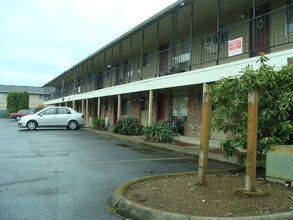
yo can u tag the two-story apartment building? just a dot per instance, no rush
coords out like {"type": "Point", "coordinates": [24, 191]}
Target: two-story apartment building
{"type": "Point", "coordinates": [156, 71]}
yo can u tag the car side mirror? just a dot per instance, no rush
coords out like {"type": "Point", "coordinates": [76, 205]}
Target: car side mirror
{"type": "Point", "coordinates": [41, 114]}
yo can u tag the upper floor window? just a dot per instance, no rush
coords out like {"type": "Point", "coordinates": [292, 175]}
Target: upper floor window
{"type": "Point", "coordinates": [225, 32]}
{"type": "Point", "coordinates": [127, 72]}
{"type": "Point", "coordinates": [145, 60]}
{"type": "Point", "coordinates": [289, 25]}
{"type": "Point", "coordinates": [182, 54]}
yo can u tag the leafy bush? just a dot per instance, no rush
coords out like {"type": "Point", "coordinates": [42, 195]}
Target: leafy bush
{"type": "Point", "coordinates": [160, 132]}
{"type": "Point", "coordinates": [39, 107]}
{"type": "Point", "coordinates": [99, 123]}
{"type": "Point", "coordinates": [275, 108]}
{"type": "Point", "coordinates": [128, 126]}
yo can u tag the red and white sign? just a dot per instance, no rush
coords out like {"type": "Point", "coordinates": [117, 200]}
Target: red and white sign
{"type": "Point", "coordinates": [235, 47]}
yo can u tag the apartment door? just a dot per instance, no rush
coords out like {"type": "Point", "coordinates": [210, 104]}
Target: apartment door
{"type": "Point", "coordinates": [115, 110]}
{"type": "Point", "coordinates": [261, 31]}
{"type": "Point", "coordinates": [161, 107]}
{"type": "Point", "coordinates": [163, 59]}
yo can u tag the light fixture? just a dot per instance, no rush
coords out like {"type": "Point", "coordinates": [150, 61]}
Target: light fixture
{"type": "Point", "coordinates": [243, 15]}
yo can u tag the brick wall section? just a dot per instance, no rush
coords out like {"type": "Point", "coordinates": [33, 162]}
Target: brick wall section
{"type": "Point", "coordinates": [168, 103]}
{"type": "Point", "coordinates": [135, 106]}
{"type": "Point", "coordinates": [155, 111]}
{"type": "Point", "coordinates": [193, 123]}
{"type": "Point", "coordinates": [103, 108]}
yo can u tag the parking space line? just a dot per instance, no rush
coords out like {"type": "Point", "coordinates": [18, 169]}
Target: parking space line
{"type": "Point", "coordinates": [121, 161]}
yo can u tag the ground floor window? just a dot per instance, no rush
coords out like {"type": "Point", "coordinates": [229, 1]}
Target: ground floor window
{"type": "Point", "coordinates": [180, 110]}
{"type": "Point", "coordinates": [125, 107]}
{"type": "Point", "coordinates": [144, 104]}
{"type": "Point", "coordinates": [180, 106]}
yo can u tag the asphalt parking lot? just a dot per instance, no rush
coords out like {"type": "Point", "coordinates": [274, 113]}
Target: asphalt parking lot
{"type": "Point", "coordinates": [62, 174]}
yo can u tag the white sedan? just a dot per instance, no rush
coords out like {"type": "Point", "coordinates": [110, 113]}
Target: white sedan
{"type": "Point", "coordinates": [53, 117]}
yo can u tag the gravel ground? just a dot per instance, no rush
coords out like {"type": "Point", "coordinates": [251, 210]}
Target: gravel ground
{"type": "Point", "coordinates": [221, 197]}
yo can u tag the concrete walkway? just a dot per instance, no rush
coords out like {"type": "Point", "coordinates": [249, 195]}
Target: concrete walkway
{"type": "Point", "coordinates": [190, 146]}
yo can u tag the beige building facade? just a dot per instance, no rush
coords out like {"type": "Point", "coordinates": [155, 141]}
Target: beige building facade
{"type": "Point", "coordinates": [36, 95]}
{"type": "Point", "coordinates": [156, 71]}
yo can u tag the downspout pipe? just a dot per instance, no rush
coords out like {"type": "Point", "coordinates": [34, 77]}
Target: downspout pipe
{"type": "Point", "coordinates": [157, 48]}
{"type": "Point", "coordinates": [218, 30]}
{"type": "Point", "coordinates": [253, 27]}
{"type": "Point", "coordinates": [190, 35]}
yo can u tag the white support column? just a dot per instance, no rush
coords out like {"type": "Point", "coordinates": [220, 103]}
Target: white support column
{"type": "Point", "coordinates": [87, 112]}
{"type": "Point", "coordinates": [119, 107]}
{"type": "Point", "coordinates": [150, 111]}
{"type": "Point", "coordinates": [82, 106]}
{"type": "Point", "coordinates": [73, 104]}
{"type": "Point", "coordinates": [99, 107]}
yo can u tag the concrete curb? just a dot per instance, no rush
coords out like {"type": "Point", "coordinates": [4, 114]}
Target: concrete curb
{"type": "Point", "coordinates": [133, 210]}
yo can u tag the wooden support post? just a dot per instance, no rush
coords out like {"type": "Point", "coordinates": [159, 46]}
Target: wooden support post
{"type": "Point", "coordinates": [87, 112]}
{"type": "Point", "coordinates": [251, 141]}
{"type": "Point", "coordinates": [82, 106]}
{"type": "Point", "coordinates": [204, 136]}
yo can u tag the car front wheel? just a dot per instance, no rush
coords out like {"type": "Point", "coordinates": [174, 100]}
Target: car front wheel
{"type": "Point", "coordinates": [72, 125]}
{"type": "Point", "coordinates": [31, 125]}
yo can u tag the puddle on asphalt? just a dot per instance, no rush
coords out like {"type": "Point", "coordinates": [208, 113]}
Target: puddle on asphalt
{"type": "Point", "coordinates": [122, 145]}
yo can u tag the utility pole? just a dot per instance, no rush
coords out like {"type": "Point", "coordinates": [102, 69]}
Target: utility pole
{"type": "Point", "coordinates": [204, 136]}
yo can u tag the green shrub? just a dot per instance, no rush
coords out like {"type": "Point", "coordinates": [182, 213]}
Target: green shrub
{"type": "Point", "coordinates": [160, 132]}
{"type": "Point", "coordinates": [275, 108]}
{"type": "Point", "coordinates": [128, 126]}
{"type": "Point", "coordinates": [39, 107]}
{"type": "Point", "coordinates": [99, 123]}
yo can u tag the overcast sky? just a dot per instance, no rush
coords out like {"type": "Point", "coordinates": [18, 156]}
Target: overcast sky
{"type": "Point", "coordinates": [40, 39]}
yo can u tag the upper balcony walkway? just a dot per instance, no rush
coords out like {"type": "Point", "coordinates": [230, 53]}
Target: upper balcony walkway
{"type": "Point", "coordinates": [208, 56]}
